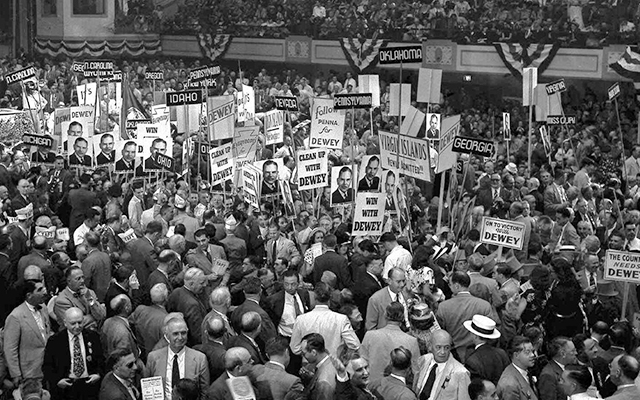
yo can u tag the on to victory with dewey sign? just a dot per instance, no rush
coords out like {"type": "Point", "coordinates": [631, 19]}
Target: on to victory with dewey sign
{"type": "Point", "coordinates": [553, 120]}
{"type": "Point", "coordinates": [622, 266]}
{"type": "Point", "coordinates": [555, 87]}
{"type": "Point", "coordinates": [286, 103]}
{"type": "Point", "coordinates": [182, 98]}
{"type": "Point", "coordinates": [348, 101]}
{"type": "Point", "coordinates": [479, 147]}
{"type": "Point", "coordinates": [397, 55]}
{"type": "Point", "coordinates": [501, 232]}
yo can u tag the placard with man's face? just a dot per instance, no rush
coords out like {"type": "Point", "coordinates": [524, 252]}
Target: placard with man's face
{"type": "Point", "coordinates": [126, 151]}
{"type": "Point", "coordinates": [104, 149]}
{"type": "Point", "coordinates": [370, 172]}
{"type": "Point", "coordinates": [433, 126]}
{"type": "Point", "coordinates": [342, 185]}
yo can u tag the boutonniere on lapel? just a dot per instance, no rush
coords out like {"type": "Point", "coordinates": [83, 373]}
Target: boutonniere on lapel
{"type": "Point", "coordinates": [446, 381]}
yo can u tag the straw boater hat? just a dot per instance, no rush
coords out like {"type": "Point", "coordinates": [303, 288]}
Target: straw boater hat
{"type": "Point", "coordinates": [482, 326]}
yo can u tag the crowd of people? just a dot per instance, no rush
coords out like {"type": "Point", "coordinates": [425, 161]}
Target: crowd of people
{"type": "Point", "coordinates": [109, 279]}
{"type": "Point", "coordinates": [571, 22]}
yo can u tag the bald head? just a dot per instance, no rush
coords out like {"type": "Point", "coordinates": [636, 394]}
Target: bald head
{"type": "Point", "coordinates": [32, 273]}
{"type": "Point", "coordinates": [216, 328]}
{"type": "Point", "coordinates": [235, 358]}
{"type": "Point", "coordinates": [73, 320]}
{"type": "Point", "coordinates": [159, 293]}
{"type": "Point", "coordinates": [441, 345]}
{"type": "Point", "coordinates": [121, 305]}
{"type": "Point", "coordinates": [40, 242]}
{"type": "Point", "coordinates": [177, 243]}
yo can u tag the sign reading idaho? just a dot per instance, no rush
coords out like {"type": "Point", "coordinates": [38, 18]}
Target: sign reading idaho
{"type": "Point", "coordinates": [501, 232]}
{"type": "Point", "coordinates": [622, 266]}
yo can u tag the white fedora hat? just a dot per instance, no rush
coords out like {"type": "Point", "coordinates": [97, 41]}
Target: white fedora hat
{"type": "Point", "coordinates": [482, 326]}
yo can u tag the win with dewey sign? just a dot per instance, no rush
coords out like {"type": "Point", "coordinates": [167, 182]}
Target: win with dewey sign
{"type": "Point", "coordinates": [501, 232]}
{"type": "Point", "coordinates": [622, 266]}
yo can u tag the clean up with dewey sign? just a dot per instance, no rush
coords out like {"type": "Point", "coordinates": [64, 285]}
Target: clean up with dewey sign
{"type": "Point", "coordinates": [501, 232]}
{"type": "Point", "coordinates": [622, 266]}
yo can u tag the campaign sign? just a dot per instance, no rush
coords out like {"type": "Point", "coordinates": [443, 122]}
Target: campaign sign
{"type": "Point", "coordinates": [414, 155]}
{"type": "Point", "coordinates": [348, 101]}
{"type": "Point", "coordinates": [203, 73]}
{"type": "Point", "coordinates": [98, 68]}
{"type": "Point", "coordinates": [327, 125]}
{"type": "Point", "coordinates": [479, 147]}
{"type": "Point", "coordinates": [286, 103]}
{"type": "Point", "coordinates": [132, 126]}
{"type": "Point", "coordinates": [274, 127]}
{"type": "Point", "coordinates": [501, 232]}
{"type": "Point", "coordinates": [19, 76]}
{"type": "Point", "coordinates": [369, 214]}
{"type": "Point", "coordinates": [154, 75]}
{"type": "Point", "coordinates": [553, 120]}
{"type": "Point", "coordinates": [36, 140]}
{"type": "Point", "coordinates": [313, 169]}
{"type": "Point", "coordinates": [185, 97]}
{"type": "Point", "coordinates": [77, 66]}
{"type": "Point", "coordinates": [152, 388]}
{"type": "Point", "coordinates": [622, 266]}
{"type": "Point", "coordinates": [614, 91]}
{"type": "Point", "coordinates": [397, 55]}
{"type": "Point", "coordinates": [251, 178]}
{"type": "Point", "coordinates": [165, 161]}
{"type": "Point", "coordinates": [555, 87]}
{"type": "Point", "coordinates": [221, 160]}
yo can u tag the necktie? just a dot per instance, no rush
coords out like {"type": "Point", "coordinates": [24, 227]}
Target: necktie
{"type": "Point", "coordinates": [273, 252]}
{"type": "Point", "coordinates": [592, 279]}
{"type": "Point", "coordinates": [495, 194]}
{"type": "Point", "coordinates": [296, 305]}
{"type": "Point", "coordinates": [428, 386]}
{"type": "Point", "coordinates": [533, 387]}
{"type": "Point", "coordinates": [78, 363]}
{"type": "Point", "coordinates": [175, 372]}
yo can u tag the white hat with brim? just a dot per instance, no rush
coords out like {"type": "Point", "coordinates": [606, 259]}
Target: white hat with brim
{"type": "Point", "coordinates": [482, 326]}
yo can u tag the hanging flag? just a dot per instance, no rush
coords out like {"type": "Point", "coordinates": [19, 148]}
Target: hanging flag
{"type": "Point", "coordinates": [361, 54]}
{"type": "Point", "coordinates": [628, 65]}
{"type": "Point", "coordinates": [213, 46]}
{"type": "Point", "coordinates": [516, 57]}
{"type": "Point", "coordinates": [131, 108]}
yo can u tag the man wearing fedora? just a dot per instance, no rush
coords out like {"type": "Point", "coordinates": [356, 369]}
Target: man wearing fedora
{"type": "Point", "coordinates": [484, 360]}
{"type": "Point", "coordinates": [440, 376]}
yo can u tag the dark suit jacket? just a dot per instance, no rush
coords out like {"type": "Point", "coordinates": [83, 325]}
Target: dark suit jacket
{"type": "Point", "coordinates": [267, 190]}
{"type": "Point", "coordinates": [332, 261]}
{"type": "Point", "coordinates": [156, 277]}
{"type": "Point", "coordinates": [19, 202]}
{"type": "Point", "coordinates": [283, 385]}
{"type": "Point", "coordinates": [121, 166]}
{"type": "Point", "coordinates": [48, 158]}
{"type": "Point", "coordinates": [392, 388]}
{"type": "Point", "coordinates": [184, 301]}
{"type": "Point", "coordinates": [19, 247]}
{"type": "Point", "coordinates": [114, 290]}
{"type": "Point", "coordinates": [364, 186]}
{"type": "Point", "coordinates": [144, 259]}
{"type": "Point", "coordinates": [80, 201]}
{"type": "Point", "coordinates": [85, 161]}
{"type": "Point", "coordinates": [97, 273]}
{"type": "Point", "coordinates": [268, 329]}
{"type": "Point", "coordinates": [549, 382]}
{"type": "Point", "coordinates": [116, 334]}
{"type": "Point", "coordinates": [57, 359]}
{"type": "Point", "coordinates": [101, 159]}
{"type": "Point", "coordinates": [147, 324]}
{"type": "Point", "coordinates": [487, 362]}
{"type": "Point", "coordinates": [113, 389]}
{"type": "Point", "coordinates": [347, 391]}
{"type": "Point", "coordinates": [215, 356]}
{"type": "Point", "coordinates": [365, 288]}
{"type": "Point", "coordinates": [336, 197]}
{"type": "Point", "coordinates": [275, 304]}
{"type": "Point", "coordinates": [241, 340]}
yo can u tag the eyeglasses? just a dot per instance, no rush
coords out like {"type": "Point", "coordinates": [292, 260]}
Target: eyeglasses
{"type": "Point", "coordinates": [130, 365]}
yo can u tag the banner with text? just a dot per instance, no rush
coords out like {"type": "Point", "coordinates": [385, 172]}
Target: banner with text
{"type": "Point", "coordinates": [413, 155]}
{"type": "Point", "coordinates": [221, 159]}
{"type": "Point", "coordinates": [251, 181]}
{"type": "Point", "coordinates": [220, 116]}
{"type": "Point", "coordinates": [327, 125]}
{"type": "Point", "coordinates": [501, 232]}
{"type": "Point", "coordinates": [622, 266]}
{"type": "Point", "coordinates": [312, 169]}
{"type": "Point", "coordinates": [369, 214]}
{"type": "Point", "coordinates": [274, 127]}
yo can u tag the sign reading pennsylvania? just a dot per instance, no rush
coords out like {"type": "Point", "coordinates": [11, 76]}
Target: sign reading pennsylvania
{"type": "Point", "coordinates": [19, 76]}
{"type": "Point", "coordinates": [397, 55]}
{"type": "Point", "coordinates": [36, 140]}
{"type": "Point", "coordinates": [182, 98]}
{"type": "Point", "coordinates": [348, 101]}
{"type": "Point", "coordinates": [204, 75]}
{"type": "Point", "coordinates": [286, 103]}
{"type": "Point", "coordinates": [479, 147]}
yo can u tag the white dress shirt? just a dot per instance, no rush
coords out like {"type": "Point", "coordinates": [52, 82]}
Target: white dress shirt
{"type": "Point", "coordinates": [78, 234]}
{"type": "Point", "coordinates": [285, 328]}
{"type": "Point", "coordinates": [167, 381]}
{"type": "Point", "coordinates": [439, 370]}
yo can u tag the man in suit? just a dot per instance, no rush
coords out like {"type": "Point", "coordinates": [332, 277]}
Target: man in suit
{"type": "Point", "coordinates": [43, 155]}
{"type": "Point", "coordinates": [96, 267]}
{"type": "Point", "coordinates": [73, 360]}
{"type": "Point", "coordinates": [515, 382]}
{"type": "Point", "coordinates": [433, 132]}
{"type": "Point", "coordinates": [377, 344]}
{"type": "Point", "coordinates": [21, 200]}
{"type": "Point", "coordinates": [116, 331]}
{"type": "Point", "coordinates": [79, 156]}
{"type": "Point", "coordinates": [81, 200]}
{"type": "Point", "coordinates": [127, 161]}
{"type": "Point", "coordinates": [281, 383]}
{"type": "Point", "coordinates": [377, 305]}
{"type": "Point", "coordinates": [143, 255]}
{"type": "Point", "coordinates": [279, 246]}
{"type": "Point", "coordinates": [19, 234]}
{"type": "Point", "coordinates": [205, 256]}
{"type": "Point", "coordinates": [186, 363]}
{"type": "Point", "coordinates": [285, 306]}
{"type": "Point", "coordinates": [250, 325]}
{"type": "Point", "coordinates": [186, 300]}
{"type": "Point", "coordinates": [561, 352]}
{"type": "Point", "coordinates": [485, 361]}
{"type": "Point", "coordinates": [168, 264]}
{"type": "Point", "coordinates": [237, 362]}
{"type": "Point", "coordinates": [38, 256]}
{"type": "Point", "coordinates": [158, 146]}
{"type": "Point", "coordinates": [476, 263]}
{"type": "Point", "coordinates": [368, 283]}
{"type": "Point", "coordinates": [107, 154]}
{"type": "Point", "coordinates": [352, 381]}
{"type": "Point", "coordinates": [344, 192]}
{"type": "Point", "coordinates": [220, 302]}
{"type": "Point", "coordinates": [214, 347]}
{"type": "Point", "coordinates": [624, 371]}
{"type": "Point", "coordinates": [26, 332]}
{"type": "Point", "coordinates": [270, 178]}
{"type": "Point", "coordinates": [335, 328]}
{"type": "Point", "coordinates": [563, 233]}
{"type": "Point", "coordinates": [120, 284]}
{"type": "Point", "coordinates": [252, 290]}
{"type": "Point", "coordinates": [461, 307]}
{"type": "Point", "coordinates": [119, 383]}
{"type": "Point", "coordinates": [323, 383]}
{"type": "Point", "coordinates": [371, 181]}
{"type": "Point", "coordinates": [76, 295]}
{"type": "Point", "coordinates": [236, 248]}
{"type": "Point", "coordinates": [332, 261]}
{"type": "Point", "coordinates": [395, 386]}
{"type": "Point", "coordinates": [147, 321]}
{"type": "Point", "coordinates": [555, 197]}
{"type": "Point", "coordinates": [440, 376]}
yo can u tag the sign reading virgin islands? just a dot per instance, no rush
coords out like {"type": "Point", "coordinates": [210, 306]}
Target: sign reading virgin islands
{"type": "Point", "coordinates": [622, 266]}
{"type": "Point", "coordinates": [414, 159]}
{"type": "Point", "coordinates": [501, 232]}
